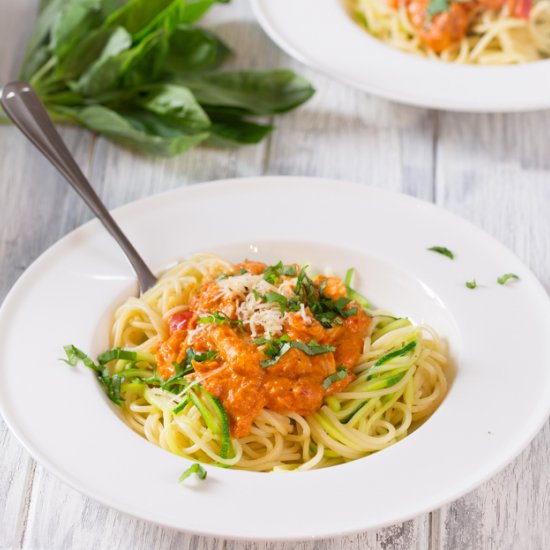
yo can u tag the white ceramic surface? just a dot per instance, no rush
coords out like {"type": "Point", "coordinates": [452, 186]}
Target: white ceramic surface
{"type": "Point", "coordinates": [498, 336]}
{"type": "Point", "coordinates": [321, 34]}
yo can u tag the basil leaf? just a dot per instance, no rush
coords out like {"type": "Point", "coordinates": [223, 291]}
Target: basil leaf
{"type": "Point", "coordinates": [273, 273]}
{"type": "Point", "coordinates": [437, 6]}
{"type": "Point", "coordinates": [74, 21]}
{"type": "Point", "coordinates": [300, 280]}
{"type": "Point", "coordinates": [143, 17]}
{"type": "Point", "coordinates": [219, 318]}
{"type": "Point", "coordinates": [282, 350]}
{"type": "Point", "coordinates": [38, 47]}
{"type": "Point", "coordinates": [252, 92]}
{"type": "Point", "coordinates": [275, 297]}
{"type": "Point", "coordinates": [201, 357]}
{"type": "Point", "coordinates": [119, 66]}
{"type": "Point", "coordinates": [471, 284]}
{"type": "Point", "coordinates": [176, 103]}
{"type": "Point", "coordinates": [91, 53]}
{"type": "Point", "coordinates": [231, 131]}
{"type": "Point", "coordinates": [143, 131]}
{"type": "Point", "coordinates": [313, 348]}
{"type": "Point", "coordinates": [507, 277]}
{"type": "Point", "coordinates": [276, 351]}
{"type": "Point", "coordinates": [113, 66]}
{"type": "Point", "coordinates": [340, 374]}
{"type": "Point", "coordinates": [443, 251]}
{"type": "Point", "coordinates": [193, 10]}
{"type": "Point", "coordinates": [193, 50]}
{"type": "Point", "coordinates": [111, 384]}
{"type": "Point", "coordinates": [196, 469]}
{"type": "Point", "coordinates": [74, 355]}
{"type": "Point", "coordinates": [127, 355]}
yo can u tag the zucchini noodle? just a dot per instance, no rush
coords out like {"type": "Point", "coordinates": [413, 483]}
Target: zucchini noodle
{"type": "Point", "coordinates": [494, 38]}
{"type": "Point", "coordinates": [400, 381]}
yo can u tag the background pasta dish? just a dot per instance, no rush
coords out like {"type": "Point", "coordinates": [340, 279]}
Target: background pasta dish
{"type": "Point", "coordinates": [478, 31]}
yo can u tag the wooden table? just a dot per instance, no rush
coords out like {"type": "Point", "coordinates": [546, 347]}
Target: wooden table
{"type": "Point", "coordinates": [491, 169]}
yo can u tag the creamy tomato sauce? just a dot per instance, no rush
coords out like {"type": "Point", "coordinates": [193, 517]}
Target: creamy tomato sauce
{"type": "Point", "coordinates": [249, 365]}
{"type": "Point", "coordinates": [440, 30]}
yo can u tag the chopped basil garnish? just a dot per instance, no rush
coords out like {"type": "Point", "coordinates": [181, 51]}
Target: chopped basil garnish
{"type": "Point", "coordinates": [277, 347]}
{"type": "Point", "coordinates": [275, 297]}
{"type": "Point", "coordinates": [300, 280]}
{"type": "Point", "coordinates": [313, 348]}
{"type": "Point", "coordinates": [273, 273]}
{"type": "Point", "coordinates": [443, 251]}
{"type": "Point", "coordinates": [196, 469]}
{"type": "Point", "coordinates": [125, 354]}
{"type": "Point", "coordinates": [111, 384]}
{"type": "Point", "coordinates": [272, 346]}
{"type": "Point", "coordinates": [74, 355]}
{"type": "Point", "coordinates": [219, 318]}
{"type": "Point", "coordinates": [209, 355]}
{"type": "Point", "coordinates": [323, 308]}
{"type": "Point", "coordinates": [507, 277]}
{"type": "Point", "coordinates": [223, 276]}
{"type": "Point", "coordinates": [340, 374]}
{"type": "Point", "coordinates": [471, 284]}
{"type": "Point", "coordinates": [132, 371]}
{"type": "Point", "coordinates": [435, 7]}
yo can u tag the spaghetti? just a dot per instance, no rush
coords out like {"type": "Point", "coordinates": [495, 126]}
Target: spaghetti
{"type": "Point", "coordinates": [187, 350]}
{"type": "Point", "coordinates": [487, 32]}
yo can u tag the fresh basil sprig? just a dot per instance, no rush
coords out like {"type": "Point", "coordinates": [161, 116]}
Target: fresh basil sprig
{"type": "Point", "coordinates": [141, 74]}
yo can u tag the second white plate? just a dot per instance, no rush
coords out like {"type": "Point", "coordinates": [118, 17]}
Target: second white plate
{"type": "Point", "coordinates": [321, 34]}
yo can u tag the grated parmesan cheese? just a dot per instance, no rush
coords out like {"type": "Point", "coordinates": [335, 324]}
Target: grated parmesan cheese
{"type": "Point", "coordinates": [261, 318]}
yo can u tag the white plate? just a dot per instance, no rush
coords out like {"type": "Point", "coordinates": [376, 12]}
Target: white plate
{"type": "Point", "coordinates": [498, 336]}
{"type": "Point", "coordinates": [321, 34]}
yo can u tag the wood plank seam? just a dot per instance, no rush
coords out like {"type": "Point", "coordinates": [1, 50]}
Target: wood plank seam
{"type": "Point", "coordinates": [25, 506]}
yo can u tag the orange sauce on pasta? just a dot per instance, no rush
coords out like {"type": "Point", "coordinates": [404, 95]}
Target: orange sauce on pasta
{"type": "Point", "coordinates": [296, 382]}
{"type": "Point", "coordinates": [440, 31]}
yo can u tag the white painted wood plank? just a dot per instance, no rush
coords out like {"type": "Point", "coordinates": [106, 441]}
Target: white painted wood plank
{"type": "Point", "coordinates": [345, 134]}
{"type": "Point", "coordinates": [494, 170]}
